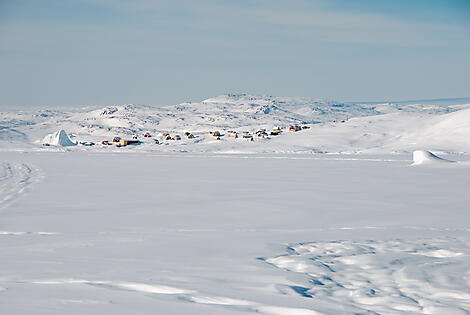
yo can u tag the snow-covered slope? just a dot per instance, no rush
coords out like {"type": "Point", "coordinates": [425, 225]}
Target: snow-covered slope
{"type": "Point", "coordinates": [367, 128]}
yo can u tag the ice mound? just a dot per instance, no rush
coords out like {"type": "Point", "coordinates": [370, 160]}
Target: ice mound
{"type": "Point", "coordinates": [425, 157]}
{"type": "Point", "coordinates": [59, 138]}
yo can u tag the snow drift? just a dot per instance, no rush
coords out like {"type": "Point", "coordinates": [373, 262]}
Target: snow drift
{"type": "Point", "coordinates": [59, 138]}
{"type": "Point", "coordinates": [425, 157]}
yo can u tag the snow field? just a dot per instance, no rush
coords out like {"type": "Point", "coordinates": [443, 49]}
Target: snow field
{"type": "Point", "coordinates": [184, 233]}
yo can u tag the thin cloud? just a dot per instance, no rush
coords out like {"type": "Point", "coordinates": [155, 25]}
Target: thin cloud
{"type": "Point", "coordinates": [304, 20]}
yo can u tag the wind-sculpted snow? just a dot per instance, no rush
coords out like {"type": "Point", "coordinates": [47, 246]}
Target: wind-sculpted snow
{"type": "Point", "coordinates": [423, 276]}
{"type": "Point", "coordinates": [184, 295]}
{"type": "Point", "coordinates": [398, 276]}
{"type": "Point", "coordinates": [425, 157]}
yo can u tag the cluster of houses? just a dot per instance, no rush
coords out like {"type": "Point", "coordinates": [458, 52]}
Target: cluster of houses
{"type": "Point", "coordinates": [122, 142]}
{"type": "Point", "coordinates": [296, 128]}
{"type": "Point", "coordinates": [261, 133]}
{"type": "Point", "coordinates": [165, 137]}
{"type": "Point", "coordinates": [117, 141]}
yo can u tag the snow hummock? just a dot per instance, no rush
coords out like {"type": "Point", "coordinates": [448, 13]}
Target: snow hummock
{"type": "Point", "coordinates": [59, 138]}
{"type": "Point", "coordinates": [426, 157]}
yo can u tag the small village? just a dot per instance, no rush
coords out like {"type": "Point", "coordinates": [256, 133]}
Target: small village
{"type": "Point", "coordinates": [165, 138]}
{"type": "Point", "coordinates": [62, 138]}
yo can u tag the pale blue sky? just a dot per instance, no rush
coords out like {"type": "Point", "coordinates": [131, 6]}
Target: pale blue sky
{"type": "Point", "coordinates": [100, 52]}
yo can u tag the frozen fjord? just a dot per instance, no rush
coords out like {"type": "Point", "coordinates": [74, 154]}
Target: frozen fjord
{"type": "Point", "coordinates": [107, 233]}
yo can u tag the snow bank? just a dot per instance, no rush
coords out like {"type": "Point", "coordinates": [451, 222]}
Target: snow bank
{"type": "Point", "coordinates": [59, 138]}
{"type": "Point", "coordinates": [426, 157]}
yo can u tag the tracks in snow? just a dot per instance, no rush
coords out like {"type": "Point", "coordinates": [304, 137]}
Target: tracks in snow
{"type": "Point", "coordinates": [15, 178]}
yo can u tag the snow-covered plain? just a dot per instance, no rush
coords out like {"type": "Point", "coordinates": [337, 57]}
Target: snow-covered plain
{"type": "Point", "coordinates": [335, 219]}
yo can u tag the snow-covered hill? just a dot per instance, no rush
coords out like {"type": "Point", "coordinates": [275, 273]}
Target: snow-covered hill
{"type": "Point", "coordinates": [367, 127]}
